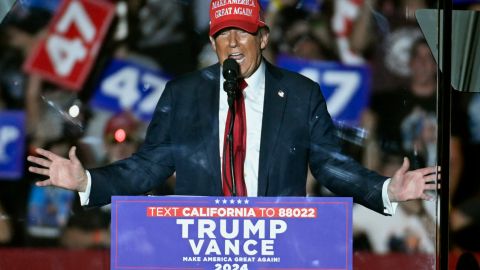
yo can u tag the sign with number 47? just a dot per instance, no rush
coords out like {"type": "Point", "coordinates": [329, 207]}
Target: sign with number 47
{"type": "Point", "coordinates": [129, 86]}
{"type": "Point", "coordinates": [75, 34]}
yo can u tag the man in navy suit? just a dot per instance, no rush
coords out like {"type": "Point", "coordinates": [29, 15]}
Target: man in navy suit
{"type": "Point", "coordinates": [288, 128]}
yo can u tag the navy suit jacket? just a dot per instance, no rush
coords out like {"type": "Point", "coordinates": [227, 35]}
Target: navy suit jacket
{"type": "Point", "coordinates": [182, 137]}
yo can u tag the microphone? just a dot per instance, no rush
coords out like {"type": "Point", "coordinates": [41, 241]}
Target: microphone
{"type": "Point", "coordinates": [230, 73]}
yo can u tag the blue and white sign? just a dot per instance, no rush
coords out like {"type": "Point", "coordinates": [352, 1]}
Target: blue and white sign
{"type": "Point", "coordinates": [128, 86]}
{"type": "Point", "coordinates": [346, 88]}
{"type": "Point", "coordinates": [465, 2]}
{"type": "Point", "coordinates": [50, 5]}
{"type": "Point", "coordinates": [309, 5]}
{"type": "Point", "coordinates": [231, 233]}
{"type": "Point", "coordinates": [12, 144]}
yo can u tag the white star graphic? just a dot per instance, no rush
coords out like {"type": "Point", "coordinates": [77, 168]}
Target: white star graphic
{"type": "Point", "coordinates": [217, 201]}
{"type": "Point", "coordinates": [232, 201]}
{"type": "Point", "coordinates": [239, 201]}
{"type": "Point", "coordinates": [246, 201]}
{"type": "Point", "coordinates": [224, 201]}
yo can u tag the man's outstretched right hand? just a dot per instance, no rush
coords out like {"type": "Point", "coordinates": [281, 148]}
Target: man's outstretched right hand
{"type": "Point", "coordinates": [61, 172]}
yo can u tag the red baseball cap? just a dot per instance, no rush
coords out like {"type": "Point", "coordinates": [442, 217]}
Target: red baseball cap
{"type": "Point", "coordinates": [124, 120]}
{"type": "Point", "coordinates": [244, 14]}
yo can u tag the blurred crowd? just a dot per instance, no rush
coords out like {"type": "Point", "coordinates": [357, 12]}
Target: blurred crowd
{"type": "Point", "coordinates": [172, 36]}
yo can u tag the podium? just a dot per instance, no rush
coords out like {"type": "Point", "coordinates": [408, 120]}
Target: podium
{"type": "Point", "coordinates": [231, 233]}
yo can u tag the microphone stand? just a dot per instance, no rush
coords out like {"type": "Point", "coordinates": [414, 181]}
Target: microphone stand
{"type": "Point", "coordinates": [231, 93]}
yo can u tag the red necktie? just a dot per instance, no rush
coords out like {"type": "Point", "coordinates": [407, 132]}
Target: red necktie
{"type": "Point", "coordinates": [239, 146]}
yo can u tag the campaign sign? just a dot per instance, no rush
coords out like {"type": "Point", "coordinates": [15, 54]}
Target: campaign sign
{"type": "Point", "coordinates": [309, 5]}
{"type": "Point", "coordinates": [66, 55]}
{"type": "Point", "coordinates": [346, 88]}
{"type": "Point", "coordinates": [231, 233]}
{"type": "Point", "coordinates": [50, 5]}
{"type": "Point", "coordinates": [12, 144]}
{"type": "Point", "coordinates": [128, 86]}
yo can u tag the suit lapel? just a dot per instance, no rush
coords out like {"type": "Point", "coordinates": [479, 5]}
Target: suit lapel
{"type": "Point", "coordinates": [208, 101]}
{"type": "Point", "coordinates": [273, 112]}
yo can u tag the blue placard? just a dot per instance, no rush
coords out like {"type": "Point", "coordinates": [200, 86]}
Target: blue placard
{"type": "Point", "coordinates": [346, 88]}
{"type": "Point", "coordinates": [48, 211]}
{"type": "Point", "coordinates": [183, 232]}
{"type": "Point", "coordinates": [50, 5]}
{"type": "Point", "coordinates": [466, 2]}
{"type": "Point", "coordinates": [128, 86]}
{"type": "Point", "coordinates": [12, 144]}
{"type": "Point", "coordinates": [308, 5]}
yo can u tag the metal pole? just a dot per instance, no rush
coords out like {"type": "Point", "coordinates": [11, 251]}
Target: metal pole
{"type": "Point", "coordinates": [444, 127]}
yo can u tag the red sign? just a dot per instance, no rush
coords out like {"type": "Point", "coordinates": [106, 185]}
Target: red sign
{"type": "Point", "coordinates": [75, 34]}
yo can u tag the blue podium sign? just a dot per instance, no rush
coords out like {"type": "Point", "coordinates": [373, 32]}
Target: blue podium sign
{"type": "Point", "coordinates": [231, 233]}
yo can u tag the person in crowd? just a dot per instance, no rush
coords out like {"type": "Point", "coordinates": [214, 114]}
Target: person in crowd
{"type": "Point", "coordinates": [394, 29]}
{"type": "Point", "coordinates": [465, 191]}
{"type": "Point", "coordinates": [45, 127]}
{"type": "Point", "coordinates": [48, 209]}
{"type": "Point", "coordinates": [288, 128]}
{"type": "Point", "coordinates": [402, 122]}
{"type": "Point", "coordinates": [399, 120]}
{"type": "Point", "coordinates": [121, 137]}
{"type": "Point", "coordinates": [163, 31]}
{"type": "Point", "coordinates": [90, 228]}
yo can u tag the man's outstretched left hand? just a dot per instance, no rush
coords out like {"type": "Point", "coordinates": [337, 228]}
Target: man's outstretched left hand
{"type": "Point", "coordinates": [408, 185]}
